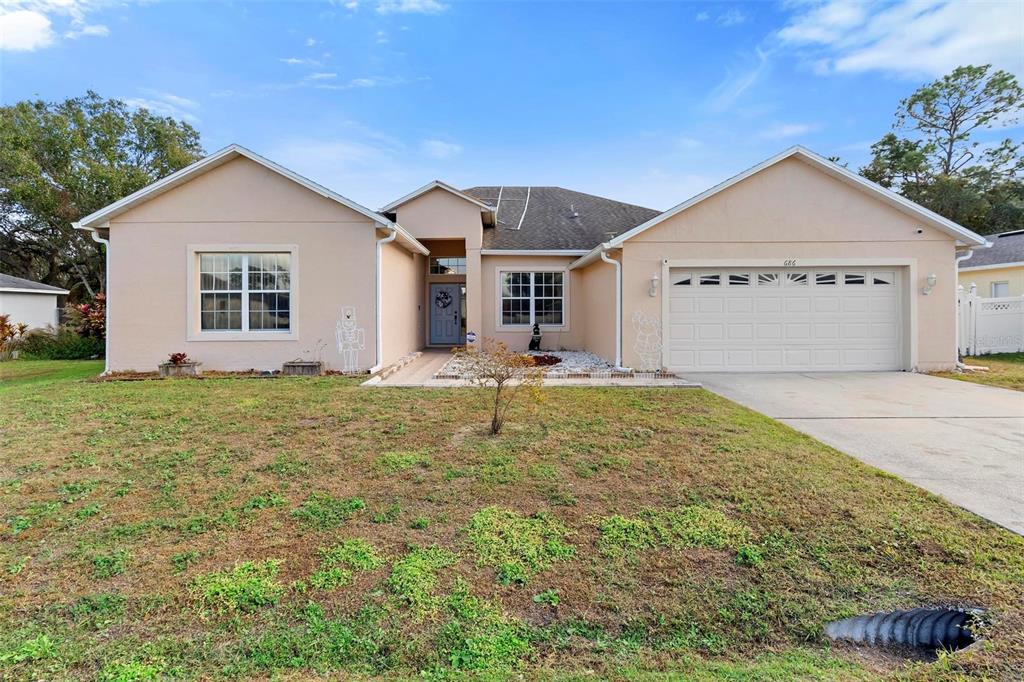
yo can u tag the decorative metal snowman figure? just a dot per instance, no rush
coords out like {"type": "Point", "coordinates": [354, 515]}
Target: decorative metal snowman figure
{"type": "Point", "coordinates": [350, 339]}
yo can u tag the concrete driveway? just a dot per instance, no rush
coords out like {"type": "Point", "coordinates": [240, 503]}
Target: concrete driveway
{"type": "Point", "coordinates": [962, 441]}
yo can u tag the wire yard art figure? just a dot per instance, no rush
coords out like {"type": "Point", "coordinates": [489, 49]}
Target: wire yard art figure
{"type": "Point", "coordinates": [647, 342]}
{"type": "Point", "coordinates": [351, 339]}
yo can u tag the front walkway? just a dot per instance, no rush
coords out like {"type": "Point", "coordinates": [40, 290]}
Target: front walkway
{"type": "Point", "coordinates": [420, 373]}
{"type": "Point", "coordinates": [962, 441]}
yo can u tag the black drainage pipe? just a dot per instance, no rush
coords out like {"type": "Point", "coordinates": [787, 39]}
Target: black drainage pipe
{"type": "Point", "coordinates": [920, 628]}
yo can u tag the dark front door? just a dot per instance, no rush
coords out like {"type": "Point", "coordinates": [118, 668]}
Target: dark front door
{"type": "Point", "coordinates": [445, 314]}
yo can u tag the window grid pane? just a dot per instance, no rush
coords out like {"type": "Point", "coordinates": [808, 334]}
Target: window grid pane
{"type": "Point", "coordinates": [532, 297]}
{"type": "Point", "coordinates": [258, 301]}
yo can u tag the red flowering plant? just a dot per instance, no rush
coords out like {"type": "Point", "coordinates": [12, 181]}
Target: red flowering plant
{"type": "Point", "coordinates": [179, 358]}
{"type": "Point", "coordinates": [10, 334]}
{"type": "Point", "coordinates": [89, 319]}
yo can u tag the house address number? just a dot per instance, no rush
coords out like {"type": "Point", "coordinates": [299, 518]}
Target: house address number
{"type": "Point", "coordinates": [789, 263]}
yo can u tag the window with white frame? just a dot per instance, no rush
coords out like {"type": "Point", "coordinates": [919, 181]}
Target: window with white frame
{"type": "Point", "coordinates": [532, 297]}
{"type": "Point", "coordinates": [1000, 289]}
{"type": "Point", "coordinates": [448, 266]}
{"type": "Point", "coordinates": [245, 292]}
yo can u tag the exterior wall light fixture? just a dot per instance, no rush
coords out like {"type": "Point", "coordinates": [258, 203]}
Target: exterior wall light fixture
{"type": "Point", "coordinates": [929, 284]}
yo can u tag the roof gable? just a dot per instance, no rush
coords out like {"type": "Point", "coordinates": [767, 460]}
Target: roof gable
{"type": "Point", "coordinates": [102, 217]}
{"type": "Point", "coordinates": [430, 186]}
{"type": "Point", "coordinates": [218, 158]}
{"type": "Point", "coordinates": [816, 161]}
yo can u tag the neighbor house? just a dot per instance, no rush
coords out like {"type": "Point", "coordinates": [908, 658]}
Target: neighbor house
{"type": "Point", "coordinates": [28, 302]}
{"type": "Point", "coordinates": [997, 272]}
{"type": "Point", "coordinates": [796, 264]}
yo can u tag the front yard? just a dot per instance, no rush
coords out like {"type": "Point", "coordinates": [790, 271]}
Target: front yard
{"type": "Point", "coordinates": [227, 528]}
{"type": "Point", "coordinates": [1005, 370]}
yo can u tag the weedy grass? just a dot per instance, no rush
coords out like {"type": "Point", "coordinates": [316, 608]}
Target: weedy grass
{"type": "Point", "coordinates": [338, 563]}
{"type": "Point", "coordinates": [517, 546]}
{"type": "Point", "coordinates": [232, 528]}
{"type": "Point", "coordinates": [1005, 370]}
{"type": "Point", "coordinates": [247, 586]}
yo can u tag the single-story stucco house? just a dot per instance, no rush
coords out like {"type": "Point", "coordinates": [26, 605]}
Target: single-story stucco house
{"type": "Point", "coordinates": [28, 302]}
{"type": "Point", "coordinates": [997, 272]}
{"type": "Point", "coordinates": [796, 264]}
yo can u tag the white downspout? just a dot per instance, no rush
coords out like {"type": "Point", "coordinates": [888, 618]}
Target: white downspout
{"type": "Point", "coordinates": [618, 305]}
{"type": "Point", "coordinates": [379, 362]}
{"type": "Point", "coordinates": [956, 281]}
{"type": "Point", "coordinates": [106, 292]}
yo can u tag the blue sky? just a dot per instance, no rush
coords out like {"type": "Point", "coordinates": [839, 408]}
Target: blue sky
{"type": "Point", "coordinates": [642, 102]}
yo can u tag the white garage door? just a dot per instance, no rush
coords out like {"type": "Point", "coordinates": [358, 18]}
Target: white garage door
{"type": "Point", "coordinates": [784, 320]}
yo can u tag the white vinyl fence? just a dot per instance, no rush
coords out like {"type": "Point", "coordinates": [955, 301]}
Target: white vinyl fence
{"type": "Point", "coordinates": [989, 325]}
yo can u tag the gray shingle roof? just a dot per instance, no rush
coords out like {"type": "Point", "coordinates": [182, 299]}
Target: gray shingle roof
{"type": "Point", "coordinates": [556, 218]}
{"type": "Point", "coordinates": [1007, 247]}
{"type": "Point", "coordinates": [12, 282]}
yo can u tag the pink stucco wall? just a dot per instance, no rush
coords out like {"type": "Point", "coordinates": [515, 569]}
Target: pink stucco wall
{"type": "Point", "coordinates": [794, 211]}
{"type": "Point", "coordinates": [239, 205]}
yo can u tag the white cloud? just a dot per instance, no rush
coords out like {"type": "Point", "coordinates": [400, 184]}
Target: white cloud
{"type": "Point", "coordinates": [321, 76]}
{"type": "Point", "coordinates": [28, 25]}
{"type": "Point", "coordinates": [732, 17]}
{"type": "Point", "coordinates": [382, 37]}
{"type": "Point", "coordinates": [909, 38]}
{"type": "Point", "coordinates": [702, 16]}
{"type": "Point", "coordinates": [166, 104]}
{"type": "Point", "coordinates": [297, 61]}
{"type": "Point", "coordinates": [311, 42]}
{"type": "Point", "coordinates": [784, 131]}
{"type": "Point", "coordinates": [439, 149]}
{"type": "Point", "coordinates": [410, 7]}
{"type": "Point", "coordinates": [25, 30]}
{"type": "Point", "coordinates": [96, 30]}
{"type": "Point", "coordinates": [737, 82]}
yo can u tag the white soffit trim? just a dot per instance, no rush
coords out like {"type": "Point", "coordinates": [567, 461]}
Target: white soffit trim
{"type": "Point", "coordinates": [901, 203]}
{"type": "Point", "coordinates": [533, 252]}
{"type": "Point", "coordinates": [993, 266]}
{"type": "Point", "coordinates": [101, 217]}
{"type": "Point", "coordinates": [436, 184]}
{"type": "Point", "coordinates": [48, 292]}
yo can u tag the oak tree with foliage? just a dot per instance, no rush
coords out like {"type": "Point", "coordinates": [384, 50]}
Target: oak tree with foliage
{"type": "Point", "coordinates": [934, 156]}
{"type": "Point", "coordinates": [60, 161]}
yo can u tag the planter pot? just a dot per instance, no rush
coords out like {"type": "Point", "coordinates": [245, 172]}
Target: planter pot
{"type": "Point", "coordinates": [302, 368]}
{"type": "Point", "coordinates": [185, 369]}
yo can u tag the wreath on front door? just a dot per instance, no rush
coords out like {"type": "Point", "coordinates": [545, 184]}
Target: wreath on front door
{"type": "Point", "coordinates": [443, 299]}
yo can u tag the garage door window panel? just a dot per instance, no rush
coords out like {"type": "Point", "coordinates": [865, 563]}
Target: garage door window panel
{"type": "Point", "coordinates": [710, 280]}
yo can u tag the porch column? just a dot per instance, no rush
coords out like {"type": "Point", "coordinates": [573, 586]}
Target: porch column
{"type": "Point", "coordinates": [474, 294]}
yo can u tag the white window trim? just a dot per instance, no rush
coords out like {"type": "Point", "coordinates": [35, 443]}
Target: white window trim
{"type": "Point", "coordinates": [992, 288]}
{"type": "Point", "coordinates": [194, 331]}
{"type": "Point", "coordinates": [501, 326]}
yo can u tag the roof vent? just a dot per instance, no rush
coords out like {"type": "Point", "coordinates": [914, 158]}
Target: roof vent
{"type": "Point", "coordinates": [573, 213]}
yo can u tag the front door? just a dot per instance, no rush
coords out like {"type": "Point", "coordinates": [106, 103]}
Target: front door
{"type": "Point", "coordinates": [446, 314]}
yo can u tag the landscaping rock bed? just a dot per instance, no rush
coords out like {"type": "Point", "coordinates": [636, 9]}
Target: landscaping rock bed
{"type": "Point", "coordinates": [572, 363]}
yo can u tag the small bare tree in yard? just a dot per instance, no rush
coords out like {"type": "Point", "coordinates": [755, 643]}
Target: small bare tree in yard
{"type": "Point", "coordinates": [492, 365]}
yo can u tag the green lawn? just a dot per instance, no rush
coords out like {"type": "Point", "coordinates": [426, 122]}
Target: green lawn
{"type": "Point", "coordinates": [1005, 370]}
{"type": "Point", "coordinates": [231, 528]}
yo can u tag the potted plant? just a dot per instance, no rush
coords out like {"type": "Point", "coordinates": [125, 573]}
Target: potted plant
{"type": "Point", "coordinates": [179, 365]}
